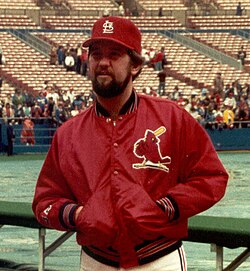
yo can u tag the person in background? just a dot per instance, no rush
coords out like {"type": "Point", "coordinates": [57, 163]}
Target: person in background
{"type": "Point", "coordinates": [242, 55]}
{"type": "Point", "coordinates": [128, 172]}
{"type": "Point", "coordinates": [78, 58]}
{"type": "Point", "coordinates": [239, 9]}
{"type": "Point", "coordinates": [60, 55]}
{"type": "Point", "coordinates": [218, 85]}
{"type": "Point", "coordinates": [10, 137]}
{"type": "Point", "coordinates": [160, 12]}
{"type": "Point", "coordinates": [53, 56]}
{"type": "Point", "coordinates": [27, 133]}
{"type": "Point", "coordinates": [1, 55]}
{"type": "Point", "coordinates": [162, 82]}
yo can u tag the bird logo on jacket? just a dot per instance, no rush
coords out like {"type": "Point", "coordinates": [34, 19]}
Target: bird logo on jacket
{"type": "Point", "coordinates": [148, 148]}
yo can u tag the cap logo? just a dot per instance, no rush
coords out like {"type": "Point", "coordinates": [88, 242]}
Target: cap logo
{"type": "Point", "coordinates": [108, 27]}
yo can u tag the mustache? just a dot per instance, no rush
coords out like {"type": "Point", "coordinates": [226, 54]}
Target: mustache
{"type": "Point", "coordinates": [104, 72]}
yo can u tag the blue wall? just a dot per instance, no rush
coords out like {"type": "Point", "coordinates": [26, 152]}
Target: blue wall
{"type": "Point", "coordinates": [224, 140]}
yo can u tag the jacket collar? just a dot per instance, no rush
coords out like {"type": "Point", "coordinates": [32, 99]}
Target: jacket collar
{"type": "Point", "coordinates": [129, 107]}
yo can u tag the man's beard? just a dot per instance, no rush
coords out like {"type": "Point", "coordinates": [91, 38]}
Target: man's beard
{"type": "Point", "coordinates": [111, 90]}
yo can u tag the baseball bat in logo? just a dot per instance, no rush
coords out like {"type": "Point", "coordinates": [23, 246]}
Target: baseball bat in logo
{"type": "Point", "coordinates": [148, 148]}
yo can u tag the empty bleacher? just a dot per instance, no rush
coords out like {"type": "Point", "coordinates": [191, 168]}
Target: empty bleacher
{"type": "Point", "coordinates": [231, 4]}
{"type": "Point", "coordinates": [92, 5]}
{"type": "Point", "coordinates": [225, 42]}
{"type": "Point", "coordinates": [150, 5]}
{"type": "Point", "coordinates": [17, 22]}
{"type": "Point", "coordinates": [86, 22]}
{"type": "Point", "coordinates": [17, 4]}
{"type": "Point", "coordinates": [219, 22]}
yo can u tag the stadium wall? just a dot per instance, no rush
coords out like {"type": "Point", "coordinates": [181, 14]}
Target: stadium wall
{"type": "Point", "coordinates": [223, 140]}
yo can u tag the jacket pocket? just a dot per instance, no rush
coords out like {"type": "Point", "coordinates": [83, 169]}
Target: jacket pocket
{"type": "Point", "coordinates": [96, 224]}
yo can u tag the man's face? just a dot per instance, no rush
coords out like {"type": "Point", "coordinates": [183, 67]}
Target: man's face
{"type": "Point", "coordinates": [109, 68]}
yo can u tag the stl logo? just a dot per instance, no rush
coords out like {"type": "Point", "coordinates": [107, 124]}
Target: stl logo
{"type": "Point", "coordinates": [148, 148]}
{"type": "Point", "coordinates": [108, 27]}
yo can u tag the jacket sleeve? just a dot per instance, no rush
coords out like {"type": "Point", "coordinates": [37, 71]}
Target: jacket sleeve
{"type": "Point", "coordinates": [203, 179]}
{"type": "Point", "coordinates": [53, 203]}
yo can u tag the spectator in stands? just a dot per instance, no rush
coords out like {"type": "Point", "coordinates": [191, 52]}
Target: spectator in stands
{"type": "Point", "coordinates": [228, 115]}
{"type": "Point", "coordinates": [106, 12]}
{"type": "Point", "coordinates": [248, 100]}
{"type": "Point", "coordinates": [51, 107]}
{"type": "Point", "coordinates": [162, 82]}
{"type": "Point", "coordinates": [69, 61]}
{"type": "Point", "coordinates": [145, 55]}
{"type": "Point", "coordinates": [231, 101]}
{"type": "Point", "coordinates": [18, 99]}
{"type": "Point", "coordinates": [53, 92]}
{"type": "Point", "coordinates": [174, 95]}
{"type": "Point", "coordinates": [19, 113]}
{"type": "Point", "coordinates": [28, 98]}
{"type": "Point", "coordinates": [158, 59]}
{"type": "Point", "coordinates": [1, 83]}
{"type": "Point", "coordinates": [209, 118]}
{"type": "Point", "coordinates": [79, 58]}
{"type": "Point", "coordinates": [164, 58]}
{"type": "Point", "coordinates": [194, 113]}
{"type": "Point", "coordinates": [60, 114]}
{"type": "Point", "coordinates": [239, 9]}
{"type": "Point", "coordinates": [242, 54]}
{"type": "Point", "coordinates": [41, 100]}
{"type": "Point", "coordinates": [196, 8]}
{"type": "Point", "coordinates": [219, 119]}
{"type": "Point", "coordinates": [152, 54]}
{"type": "Point", "coordinates": [10, 137]}
{"type": "Point", "coordinates": [60, 55]}
{"type": "Point", "coordinates": [36, 113]}
{"type": "Point", "coordinates": [27, 110]}
{"type": "Point", "coordinates": [219, 85]}
{"type": "Point", "coordinates": [8, 112]}
{"type": "Point", "coordinates": [127, 12]}
{"type": "Point", "coordinates": [121, 10]}
{"type": "Point", "coordinates": [84, 62]}
{"type": "Point", "coordinates": [53, 56]}
{"type": "Point", "coordinates": [1, 55]}
{"type": "Point", "coordinates": [71, 94]}
{"type": "Point", "coordinates": [243, 114]}
{"type": "Point", "coordinates": [8, 99]}
{"type": "Point", "coordinates": [75, 111]}
{"type": "Point", "coordinates": [27, 133]}
{"type": "Point", "coordinates": [78, 101]}
{"type": "Point", "coordinates": [160, 12]}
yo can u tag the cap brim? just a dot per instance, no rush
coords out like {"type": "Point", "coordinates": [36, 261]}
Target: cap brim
{"type": "Point", "coordinates": [89, 42]}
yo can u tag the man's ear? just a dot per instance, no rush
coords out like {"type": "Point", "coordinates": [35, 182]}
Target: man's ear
{"type": "Point", "coordinates": [135, 68]}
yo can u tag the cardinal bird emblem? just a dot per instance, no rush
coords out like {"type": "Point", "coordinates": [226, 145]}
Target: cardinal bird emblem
{"type": "Point", "coordinates": [148, 148]}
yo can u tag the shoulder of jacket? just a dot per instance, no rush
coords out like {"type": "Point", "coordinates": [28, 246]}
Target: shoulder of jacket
{"type": "Point", "coordinates": [160, 101]}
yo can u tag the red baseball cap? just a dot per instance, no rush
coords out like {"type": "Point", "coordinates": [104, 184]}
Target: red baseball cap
{"type": "Point", "coordinates": [117, 29]}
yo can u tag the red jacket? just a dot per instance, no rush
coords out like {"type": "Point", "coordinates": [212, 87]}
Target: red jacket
{"type": "Point", "coordinates": [118, 171]}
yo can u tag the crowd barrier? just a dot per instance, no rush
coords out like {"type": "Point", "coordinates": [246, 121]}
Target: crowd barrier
{"type": "Point", "coordinates": [223, 139]}
{"type": "Point", "coordinates": [221, 232]}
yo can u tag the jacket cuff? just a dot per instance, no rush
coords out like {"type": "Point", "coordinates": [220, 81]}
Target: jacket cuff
{"type": "Point", "coordinates": [170, 207]}
{"type": "Point", "coordinates": [67, 214]}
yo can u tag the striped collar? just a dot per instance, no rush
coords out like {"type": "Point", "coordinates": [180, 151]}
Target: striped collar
{"type": "Point", "coordinates": [129, 107]}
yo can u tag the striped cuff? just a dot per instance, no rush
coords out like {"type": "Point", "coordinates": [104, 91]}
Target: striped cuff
{"type": "Point", "coordinates": [169, 206]}
{"type": "Point", "coordinates": [66, 215]}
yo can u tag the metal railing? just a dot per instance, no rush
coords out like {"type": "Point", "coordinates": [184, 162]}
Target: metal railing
{"type": "Point", "coordinates": [33, 41]}
{"type": "Point", "coordinates": [182, 37]}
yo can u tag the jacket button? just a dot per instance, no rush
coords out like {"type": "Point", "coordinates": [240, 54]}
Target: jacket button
{"type": "Point", "coordinates": [116, 172]}
{"type": "Point", "coordinates": [115, 145]}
